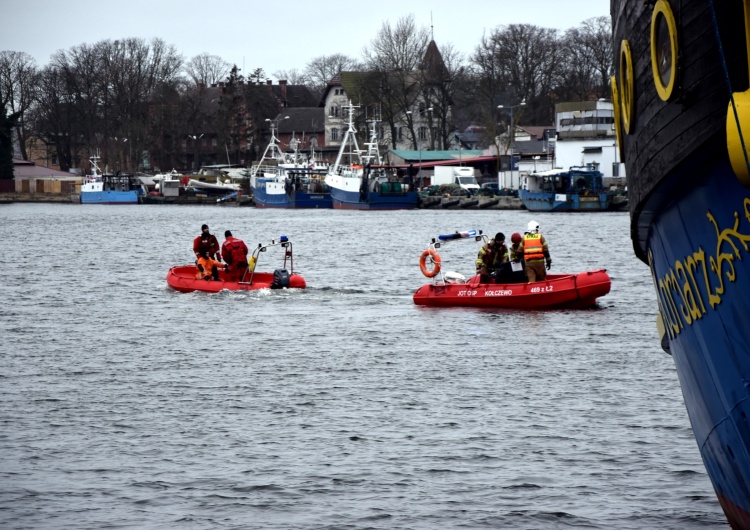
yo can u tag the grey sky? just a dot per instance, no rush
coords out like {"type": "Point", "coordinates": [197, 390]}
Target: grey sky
{"type": "Point", "coordinates": [260, 34]}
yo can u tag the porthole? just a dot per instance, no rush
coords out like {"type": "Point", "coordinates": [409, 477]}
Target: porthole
{"type": "Point", "coordinates": [618, 121]}
{"type": "Point", "coordinates": [663, 49]}
{"type": "Point", "coordinates": [626, 85]}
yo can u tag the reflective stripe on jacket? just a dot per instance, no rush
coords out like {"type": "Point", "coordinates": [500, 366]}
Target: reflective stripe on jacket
{"type": "Point", "coordinates": [533, 248]}
{"type": "Point", "coordinates": [491, 257]}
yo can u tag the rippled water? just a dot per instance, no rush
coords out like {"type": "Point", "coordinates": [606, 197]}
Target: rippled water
{"type": "Point", "coordinates": [125, 404]}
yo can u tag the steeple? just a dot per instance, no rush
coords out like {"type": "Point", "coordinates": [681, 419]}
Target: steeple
{"type": "Point", "coordinates": [433, 64]}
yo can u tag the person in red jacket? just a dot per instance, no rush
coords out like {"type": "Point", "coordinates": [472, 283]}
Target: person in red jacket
{"type": "Point", "coordinates": [235, 255]}
{"type": "Point", "coordinates": [208, 242]}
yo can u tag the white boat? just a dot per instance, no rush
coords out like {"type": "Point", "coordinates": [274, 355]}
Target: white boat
{"type": "Point", "coordinates": [364, 183]}
{"type": "Point", "coordinates": [226, 186]}
{"type": "Point", "coordinates": [221, 178]}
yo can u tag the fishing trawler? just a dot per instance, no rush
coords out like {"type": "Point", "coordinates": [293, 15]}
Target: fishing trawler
{"type": "Point", "coordinates": [279, 180]}
{"type": "Point", "coordinates": [682, 118]}
{"type": "Point", "coordinates": [358, 180]}
{"type": "Point", "coordinates": [98, 188]}
{"type": "Point", "coordinates": [578, 189]}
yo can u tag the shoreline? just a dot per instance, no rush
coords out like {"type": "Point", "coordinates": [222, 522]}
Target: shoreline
{"type": "Point", "coordinates": [434, 203]}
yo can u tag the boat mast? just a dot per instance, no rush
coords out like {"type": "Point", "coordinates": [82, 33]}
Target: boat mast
{"type": "Point", "coordinates": [349, 139]}
{"type": "Point", "coordinates": [373, 151]}
{"type": "Point", "coordinates": [273, 147]}
{"type": "Point", "coordinates": [94, 166]}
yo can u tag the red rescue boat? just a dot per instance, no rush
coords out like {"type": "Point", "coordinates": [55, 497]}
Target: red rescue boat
{"type": "Point", "coordinates": [450, 289]}
{"type": "Point", "coordinates": [183, 278]}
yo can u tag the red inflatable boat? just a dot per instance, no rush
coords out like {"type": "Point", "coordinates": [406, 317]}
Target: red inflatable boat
{"type": "Point", "coordinates": [572, 291]}
{"type": "Point", "coordinates": [183, 278]}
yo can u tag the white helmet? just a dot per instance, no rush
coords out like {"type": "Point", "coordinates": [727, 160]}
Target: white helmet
{"type": "Point", "coordinates": [533, 226]}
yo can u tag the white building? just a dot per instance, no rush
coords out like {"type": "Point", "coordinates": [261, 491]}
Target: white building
{"type": "Point", "coordinates": [586, 136]}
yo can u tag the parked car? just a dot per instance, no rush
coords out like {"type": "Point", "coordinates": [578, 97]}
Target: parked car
{"type": "Point", "coordinates": [490, 188]}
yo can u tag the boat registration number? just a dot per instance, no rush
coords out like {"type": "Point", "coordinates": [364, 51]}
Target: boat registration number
{"type": "Point", "coordinates": [542, 289]}
{"type": "Point", "coordinates": [486, 293]}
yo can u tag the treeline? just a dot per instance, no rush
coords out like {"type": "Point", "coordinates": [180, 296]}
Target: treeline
{"type": "Point", "coordinates": [124, 98]}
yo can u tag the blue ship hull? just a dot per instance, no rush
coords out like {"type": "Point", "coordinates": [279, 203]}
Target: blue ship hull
{"type": "Point", "coordinates": [299, 199]}
{"type": "Point", "coordinates": [109, 197]}
{"type": "Point", "coordinates": [685, 64]}
{"type": "Point", "coordinates": [347, 200]}
{"type": "Point", "coordinates": [700, 261]}
{"type": "Point", "coordinates": [546, 202]}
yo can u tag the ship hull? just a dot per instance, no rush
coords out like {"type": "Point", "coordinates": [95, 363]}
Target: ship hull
{"type": "Point", "coordinates": [558, 291]}
{"type": "Point", "coordinates": [350, 200]}
{"type": "Point", "coordinates": [299, 199]}
{"type": "Point", "coordinates": [280, 193]}
{"type": "Point", "coordinates": [690, 213]}
{"type": "Point", "coordinates": [571, 202]}
{"type": "Point", "coordinates": [700, 262]}
{"type": "Point", "coordinates": [109, 197]}
{"type": "Point", "coordinates": [182, 279]}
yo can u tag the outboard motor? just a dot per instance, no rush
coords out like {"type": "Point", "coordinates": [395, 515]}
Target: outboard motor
{"type": "Point", "coordinates": [280, 279]}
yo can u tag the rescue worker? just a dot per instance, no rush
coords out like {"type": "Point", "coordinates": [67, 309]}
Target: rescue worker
{"type": "Point", "coordinates": [235, 256]}
{"type": "Point", "coordinates": [492, 258]}
{"type": "Point", "coordinates": [208, 268]}
{"type": "Point", "coordinates": [206, 241]}
{"type": "Point", "coordinates": [518, 273]}
{"type": "Point", "coordinates": [534, 250]}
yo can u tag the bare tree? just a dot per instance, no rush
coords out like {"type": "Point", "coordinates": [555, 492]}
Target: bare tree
{"type": "Point", "coordinates": [597, 40]}
{"type": "Point", "coordinates": [107, 91]}
{"type": "Point", "coordinates": [54, 116]}
{"type": "Point", "coordinates": [322, 69]}
{"type": "Point", "coordinates": [519, 62]}
{"type": "Point", "coordinates": [293, 76]}
{"type": "Point", "coordinates": [18, 90]}
{"type": "Point", "coordinates": [439, 73]}
{"type": "Point", "coordinates": [396, 54]}
{"type": "Point", "coordinates": [206, 69]}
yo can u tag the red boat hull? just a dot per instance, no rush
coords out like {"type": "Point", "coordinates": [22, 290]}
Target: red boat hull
{"type": "Point", "coordinates": [183, 279]}
{"type": "Point", "coordinates": [570, 291]}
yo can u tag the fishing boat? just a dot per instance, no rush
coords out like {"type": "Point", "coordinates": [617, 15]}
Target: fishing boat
{"type": "Point", "coordinates": [577, 189]}
{"type": "Point", "coordinates": [98, 188]}
{"type": "Point", "coordinates": [183, 277]}
{"type": "Point", "coordinates": [452, 289]}
{"type": "Point", "coordinates": [361, 182]}
{"type": "Point", "coordinates": [683, 123]}
{"type": "Point", "coordinates": [289, 181]}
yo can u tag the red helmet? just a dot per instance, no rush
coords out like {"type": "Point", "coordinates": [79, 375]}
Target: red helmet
{"type": "Point", "coordinates": [516, 237]}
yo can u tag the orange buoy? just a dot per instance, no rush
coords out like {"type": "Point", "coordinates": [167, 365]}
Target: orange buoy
{"type": "Point", "coordinates": [434, 259]}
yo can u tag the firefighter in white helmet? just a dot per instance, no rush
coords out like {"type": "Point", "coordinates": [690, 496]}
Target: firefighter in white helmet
{"type": "Point", "coordinates": [535, 253]}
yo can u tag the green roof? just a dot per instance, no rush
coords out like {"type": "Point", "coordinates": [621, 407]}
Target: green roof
{"type": "Point", "coordinates": [436, 155]}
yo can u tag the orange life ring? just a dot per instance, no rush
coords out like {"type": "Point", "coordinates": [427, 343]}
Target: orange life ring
{"type": "Point", "coordinates": [434, 258]}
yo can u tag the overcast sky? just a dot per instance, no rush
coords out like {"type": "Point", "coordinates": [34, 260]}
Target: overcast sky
{"type": "Point", "coordinates": [260, 33]}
